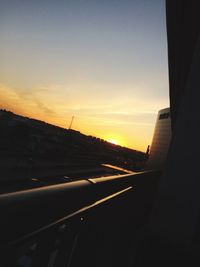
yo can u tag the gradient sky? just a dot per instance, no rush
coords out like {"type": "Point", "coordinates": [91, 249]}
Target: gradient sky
{"type": "Point", "coordinates": [103, 61]}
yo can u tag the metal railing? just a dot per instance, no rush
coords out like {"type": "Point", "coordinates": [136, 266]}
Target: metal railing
{"type": "Point", "coordinates": [58, 225]}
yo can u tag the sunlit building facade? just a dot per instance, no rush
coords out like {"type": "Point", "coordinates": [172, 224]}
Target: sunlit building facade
{"type": "Point", "coordinates": [161, 141]}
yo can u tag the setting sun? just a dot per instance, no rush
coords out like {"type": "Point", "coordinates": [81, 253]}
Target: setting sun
{"type": "Point", "coordinates": [113, 141]}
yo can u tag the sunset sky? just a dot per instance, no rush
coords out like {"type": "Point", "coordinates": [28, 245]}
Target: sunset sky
{"type": "Point", "coordinates": [102, 61]}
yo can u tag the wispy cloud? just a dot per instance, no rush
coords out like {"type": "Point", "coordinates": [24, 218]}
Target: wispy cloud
{"type": "Point", "coordinates": [44, 108]}
{"type": "Point", "coordinates": [23, 102]}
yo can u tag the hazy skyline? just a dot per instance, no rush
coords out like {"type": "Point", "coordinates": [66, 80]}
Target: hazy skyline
{"type": "Point", "coordinates": [105, 62]}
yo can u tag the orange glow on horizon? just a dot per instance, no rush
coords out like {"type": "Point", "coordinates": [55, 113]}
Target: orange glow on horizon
{"type": "Point", "coordinates": [111, 126]}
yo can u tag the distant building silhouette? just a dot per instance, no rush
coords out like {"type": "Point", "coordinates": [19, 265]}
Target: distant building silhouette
{"type": "Point", "coordinates": [161, 141]}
